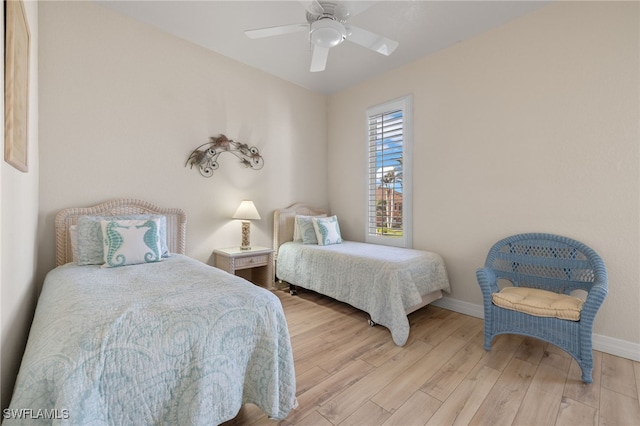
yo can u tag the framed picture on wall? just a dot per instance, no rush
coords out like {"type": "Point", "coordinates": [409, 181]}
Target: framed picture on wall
{"type": "Point", "coordinates": [16, 85]}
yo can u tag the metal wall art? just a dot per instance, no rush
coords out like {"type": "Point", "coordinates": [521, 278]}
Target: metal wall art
{"type": "Point", "coordinates": [205, 157]}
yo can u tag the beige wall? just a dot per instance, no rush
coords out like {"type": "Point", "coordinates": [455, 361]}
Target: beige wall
{"type": "Point", "coordinates": [123, 105]}
{"type": "Point", "coordinates": [18, 228]}
{"type": "Point", "coordinates": [531, 127]}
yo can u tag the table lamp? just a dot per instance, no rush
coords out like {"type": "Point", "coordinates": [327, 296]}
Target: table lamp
{"type": "Point", "coordinates": [246, 212]}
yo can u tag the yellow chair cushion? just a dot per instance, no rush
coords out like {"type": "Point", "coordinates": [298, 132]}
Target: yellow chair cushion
{"type": "Point", "coordinates": [541, 303]}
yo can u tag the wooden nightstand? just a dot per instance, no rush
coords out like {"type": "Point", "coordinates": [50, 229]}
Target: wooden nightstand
{"type": "Point", "coordinates": [258, 260]}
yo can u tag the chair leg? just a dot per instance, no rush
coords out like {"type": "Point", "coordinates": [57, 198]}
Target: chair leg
{"type": "Point", "coordinates": [586, 362]}
{"type": "Point", "coordinates": [488, 339]}
{"type": "Point", "coordinates": [587, 368]}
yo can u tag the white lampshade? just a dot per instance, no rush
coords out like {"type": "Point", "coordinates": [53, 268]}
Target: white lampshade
{"type": "Point", "coordinates": [246, 211]}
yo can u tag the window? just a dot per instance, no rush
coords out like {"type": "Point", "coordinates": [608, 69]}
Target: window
{"type": "Point", "coordinates": [389, 173]}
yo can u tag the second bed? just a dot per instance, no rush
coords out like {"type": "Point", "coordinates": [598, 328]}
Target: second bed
{"type": "Point", "coordinates": [386, 282]}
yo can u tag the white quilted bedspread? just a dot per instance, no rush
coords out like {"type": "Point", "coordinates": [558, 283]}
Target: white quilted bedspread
{"type": "Point", "coordinates": [170, 343]}
{"type": "Point", "coordinates": [380, 280]}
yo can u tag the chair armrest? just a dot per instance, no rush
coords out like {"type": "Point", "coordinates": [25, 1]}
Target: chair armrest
{"type": "Point", "coordinates": [487, 281]}
{"type": "Point", "coordinates": [594, 300]}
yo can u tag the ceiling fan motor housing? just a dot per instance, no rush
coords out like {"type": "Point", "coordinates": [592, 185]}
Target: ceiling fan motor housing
{"type": "Point", "coordinates": [327, 32]}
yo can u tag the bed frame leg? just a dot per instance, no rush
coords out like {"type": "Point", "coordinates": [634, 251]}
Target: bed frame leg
{"type": "Point", "coordinates": [292, 289]}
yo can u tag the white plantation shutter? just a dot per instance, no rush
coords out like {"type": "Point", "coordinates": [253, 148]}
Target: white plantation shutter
{"type": "Point", "coordinates": [389, 177]}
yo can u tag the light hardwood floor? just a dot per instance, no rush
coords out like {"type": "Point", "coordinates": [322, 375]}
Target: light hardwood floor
{"type": "Point", "coordinates": [351, 374]}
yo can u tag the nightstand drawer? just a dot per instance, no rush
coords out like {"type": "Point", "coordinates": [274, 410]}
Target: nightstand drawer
{"type": "Point", "coordinates": [250, 262]}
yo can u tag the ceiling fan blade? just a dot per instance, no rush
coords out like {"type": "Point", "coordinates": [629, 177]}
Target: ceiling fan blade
{"type": "Point", "coordinates": [319, 58]}
{"type": "Point", "coordinates": [273, 31]}
{"type": "Point", "coordinates": [371, 40]}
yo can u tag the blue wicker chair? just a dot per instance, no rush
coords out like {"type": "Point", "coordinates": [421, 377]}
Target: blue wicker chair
{"type": "Point", "coordinates": [547, 262]}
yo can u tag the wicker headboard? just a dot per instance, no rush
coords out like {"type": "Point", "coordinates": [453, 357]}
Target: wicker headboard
{"type": "Point", "coordinates": [283, 221]}
{"type": "Point", "coordinates": [176, 223]}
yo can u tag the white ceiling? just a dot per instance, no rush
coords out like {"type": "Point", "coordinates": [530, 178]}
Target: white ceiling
{"type": "Point", "coordinates": [422, 27]}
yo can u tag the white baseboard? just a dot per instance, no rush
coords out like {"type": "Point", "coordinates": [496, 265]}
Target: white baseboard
{"type": "Point", "coordinates": [618, 347]}
{"type": "Point", "coordinates": [610, 345]}
{"type": "Point", "coordinates": [460, 306]}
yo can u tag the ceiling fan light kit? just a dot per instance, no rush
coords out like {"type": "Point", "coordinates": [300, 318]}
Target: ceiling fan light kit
{"type": "Point", "coordinates": [327, 33]}
{"type": "Point", "coordinates": [327, 22]}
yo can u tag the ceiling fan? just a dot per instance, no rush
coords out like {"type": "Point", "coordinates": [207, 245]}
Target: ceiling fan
{"type": "Point", "coordinates": [328, 26]}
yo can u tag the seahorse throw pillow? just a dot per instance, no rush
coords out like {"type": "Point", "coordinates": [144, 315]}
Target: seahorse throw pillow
{"type": "Point", "coordinates": [327, 230]}
{"type": "Point", "coordinates": [130, 242]}
{"type": "Point", "coordinates": [91, 243]}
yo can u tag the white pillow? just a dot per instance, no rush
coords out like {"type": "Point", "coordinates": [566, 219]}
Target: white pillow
{"type": "Point", "coordinates": [129, 242]}
{"type": "Point", "coordinates": [73, 236]}
{"type": "Point", "coordinates": [303, 230]}
{"type": "Point", "coordinates": [327, 230]}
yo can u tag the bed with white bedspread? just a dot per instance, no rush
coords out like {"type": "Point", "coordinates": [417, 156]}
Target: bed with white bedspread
{"type": "Point", "coordinates": [386, 282]}
{"type": "Point", "coordinates": [163, 343]}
